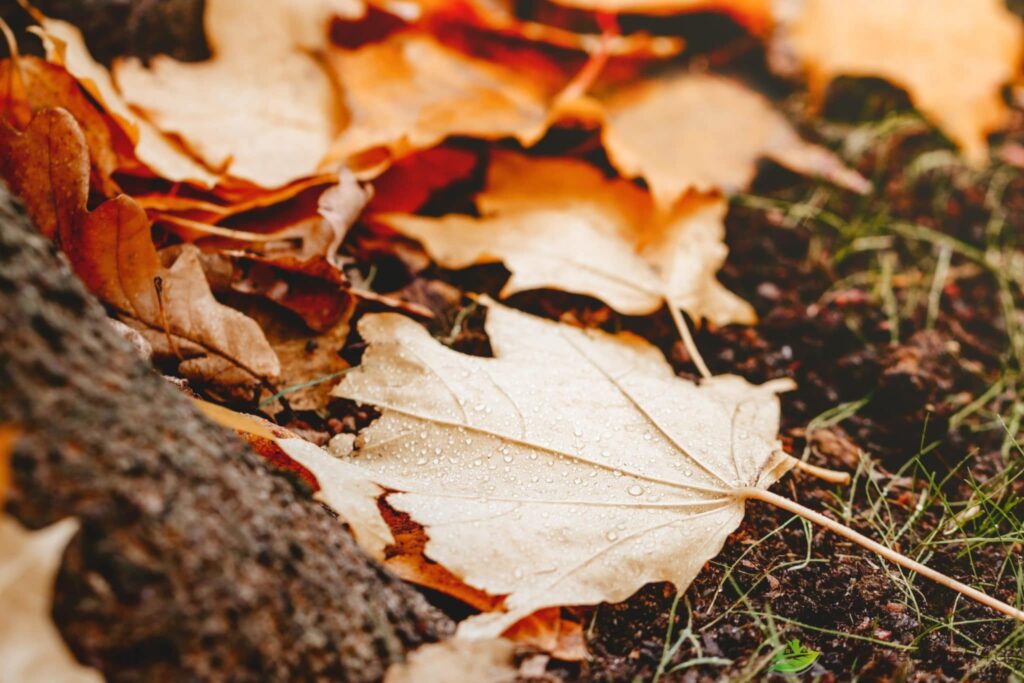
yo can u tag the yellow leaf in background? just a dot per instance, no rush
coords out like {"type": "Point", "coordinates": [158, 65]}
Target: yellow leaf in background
{"type": "Point", "coordinates": [953, 57]}
{"type": "Point", "coordinates": [571, 468]}
{"type": "Point", "coordinates": [560, 223]}
{"type": "Point", "coordinates": [151, 147]}
{"type": "Point", "coordinates": [700, 132]}
{"type": "Point", "coordinates": [31, 647]}
{"type": "Point", "coordinates": [410, 92]}
{"type": "Point", "coordinates": [263, 108]}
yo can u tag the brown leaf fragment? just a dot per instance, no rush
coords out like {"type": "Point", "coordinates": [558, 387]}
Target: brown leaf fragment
{"type": "Point", "coordinates": [48, 167]}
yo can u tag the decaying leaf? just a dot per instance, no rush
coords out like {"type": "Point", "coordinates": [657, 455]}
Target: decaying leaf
{"type": "Point", "coordinates": [572, 468]}
{"type": "Point", "coordinates": [48, 167]}
{"type": "Point", "coordinates": [482, 661]}
{"type": "Point", "coordinates": [112, 251]}
{"type": "Point", "coordinates": [31, 647]}
{"type": "Point", "coordinates": [67, 48]}
{"type": "Point", "coordinates": [701, 132]}
{"type": "Point", "coordinates": [263, 108]}
{"type": "Point", "coordinates": [410, 92]}
{"type": "Point", "coordinates": [560, 223]}
{"type": "Point", "coordinates": [952, 57]}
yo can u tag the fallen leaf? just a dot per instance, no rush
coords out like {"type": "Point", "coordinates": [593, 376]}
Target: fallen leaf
{"type": "Point", "coordinates": [483, 661]}
{"type": "Point", "coordinates": [411, 181]}
{"type": "Point", "coordinates": [410, 92]}
{"type": "Point", "coordinates": [47, 86]}
{"type": "Point", "coordinates": [152, 149]}
{"type": "Point", "coordinates": [112, 251]}
{"type": "Point", "coordinates": [263, 108]}
{"type": "Point", "coordinates": [48, 167]}
{"type": "Point", "coordinates": [31, 647]}
{"type": "Point", "coordinates": [549, 632]}
{"type": "Point", "coordinates": [952, 57]}
{"type": "Point", "coordinates": [756, 15]}
{"type": "Point", "coordinates": [572, 468]}
{"type": "Point", "coordinates": [700, 132]}
{"type": "Point", "coordinates": [560, 223]}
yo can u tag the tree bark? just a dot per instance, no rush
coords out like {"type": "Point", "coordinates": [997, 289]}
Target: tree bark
{"type": "Point", "coordinates": [194, 561]}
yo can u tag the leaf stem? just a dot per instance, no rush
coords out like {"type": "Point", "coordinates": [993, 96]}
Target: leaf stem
{"type": "Point", "coordinates": [887, 553]}
{"type": "Point", "coordinates": [691, 346]}
{"type": "Point", "coordinates": [823, 473]}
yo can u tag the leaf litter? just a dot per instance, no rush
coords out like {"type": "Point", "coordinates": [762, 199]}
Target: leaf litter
{"type": "Point", "coordinates": [248, 175]}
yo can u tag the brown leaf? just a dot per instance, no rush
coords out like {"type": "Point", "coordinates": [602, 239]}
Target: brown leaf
{"type": "Point", "coordinates": [173, 308]}
{"type": "Point", "coordinates": [952, 57]}
{"type": "Point", "coordinates": [37, 86]}
{"type": "Point", "coordinates": [48, 167]}
{"type": "Point", "coordinates": [480, 661]}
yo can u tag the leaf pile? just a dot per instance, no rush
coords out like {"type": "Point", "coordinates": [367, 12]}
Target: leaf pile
{"type": "Point", "coordinates": [251, 215]}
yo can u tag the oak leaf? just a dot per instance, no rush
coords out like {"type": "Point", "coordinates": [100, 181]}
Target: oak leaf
{"type": "Point", "coordinates": [701, 132]}
{"type": "Point", "coordinates": [572, 468]}
{"type": "Point", "coordinates": [263, 108]}
{"type": "Point", "coordinates": [112, 251]}
{"type": "Point", "coordinates": [31, 647]}
{"type": "Point", "coordinates": [560, 223]}
{"type": "Point", "coordinates": [47, 165]}
{"type": "Point", "coordinates": [952, 57]}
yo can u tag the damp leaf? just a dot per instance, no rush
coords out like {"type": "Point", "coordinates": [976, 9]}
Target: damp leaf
{"type": "Point", "coordinates": [571, 468]}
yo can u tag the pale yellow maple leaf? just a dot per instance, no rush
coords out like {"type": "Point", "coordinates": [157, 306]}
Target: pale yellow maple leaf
{"type": "Point", "coordinates": [572, 468]}
{"type": "Point", "coordinates": [31, 647]}
{"type": "Point", "coordinates": [560, 223]}
{"type": "Point", "coordinates": [263, 107]}
{"type": "Point", "coordinates": [952, 57]}
{"type": "Point", "coordinates": [688, 131]}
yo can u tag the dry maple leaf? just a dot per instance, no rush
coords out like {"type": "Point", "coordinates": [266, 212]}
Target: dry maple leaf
{"type": "Point", "coordinates": [560, 223]}
{"type": "Point", "coordinates": [31, 647]}
{"type": "Point", "coordinates": [701, 132]}
{"type": "Point", "coordinates": [572, 468]}
{"type": "Point", "coordinates": [410, 92]}
{"type": "Point", "coordinates": [952, 57]}
{"type": "Point", "coordinates": [48, 167]}
{"type": "Point", "coordinates": [263, 108]}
